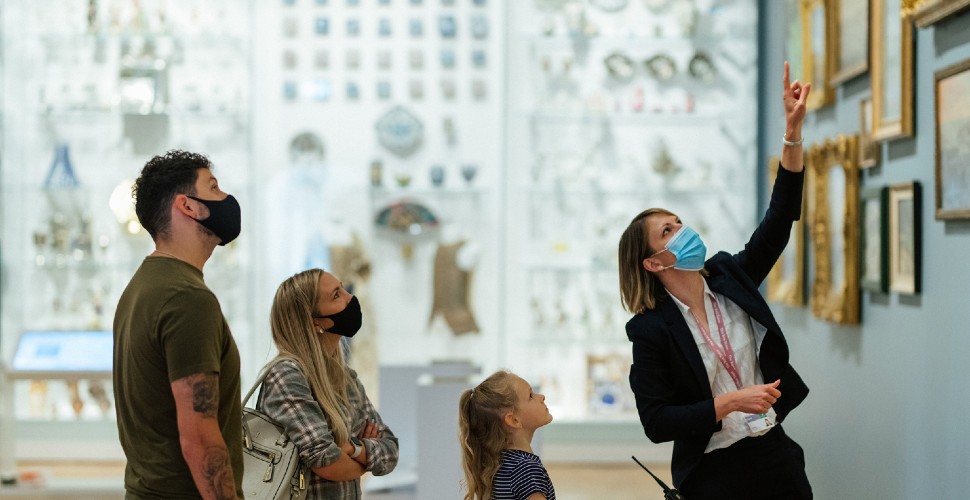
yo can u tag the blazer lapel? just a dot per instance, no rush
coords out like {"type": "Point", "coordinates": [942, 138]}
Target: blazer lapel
{"type": "Point", "coordinates": [751, 305]}
{"type": "Point", "coordinates": [685, 340]}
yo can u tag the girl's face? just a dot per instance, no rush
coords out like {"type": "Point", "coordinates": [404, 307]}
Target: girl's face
{"type": "Point", "coordinates": [531, 411]}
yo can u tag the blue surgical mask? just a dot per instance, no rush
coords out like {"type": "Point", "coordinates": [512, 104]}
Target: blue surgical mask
{"type": "Point", "coordinates": [688, 249]}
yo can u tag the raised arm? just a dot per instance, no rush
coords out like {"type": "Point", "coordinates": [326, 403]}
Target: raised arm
{"type": "Point", "coordinates": [794, 95]}
{"type": "Point", "coordinates": [784, 207]}
{"type": "Point", "coordinates": [204, 449]}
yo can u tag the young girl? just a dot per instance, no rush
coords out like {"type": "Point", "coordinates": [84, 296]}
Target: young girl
{"type": "Point", "coordinates": [496, 421]}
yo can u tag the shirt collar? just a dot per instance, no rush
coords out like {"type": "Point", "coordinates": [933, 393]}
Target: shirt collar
{"type": "Point", "coordinates": [683, 307]}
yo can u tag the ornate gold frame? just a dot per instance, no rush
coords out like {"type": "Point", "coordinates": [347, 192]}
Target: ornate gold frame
{"type": "Point", "coordinates": [789, 290]}
{"type": "Point", "coordinates": [870, 151]}
{"type": "Point", "coordinates": [842, 305]}
{"type": "Point", "coordinates": [839, 73]}
{"type": "Point", "coordinates": [927, 12]}
{"type": "Point", "coordinates": [884, 129]}
{"type": "Point", "coordinates": [822, 92]}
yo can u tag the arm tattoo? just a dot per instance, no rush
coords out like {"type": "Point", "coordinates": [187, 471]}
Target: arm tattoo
{"type": "Point", "coordinates": [218, 473]}
{"type": "Point", "coordinates": [205, 394]}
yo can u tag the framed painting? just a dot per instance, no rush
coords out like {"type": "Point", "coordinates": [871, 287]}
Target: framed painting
{"type": "Point", "coordinates": [927, 12]}
{"type": "Point", "coordinates": [835, 230]}
{"type": "Point", "coordinates": [851, 38]}
{"type": "Point", "coordinates": [891, 41]}
{"type": "Point", "coordinates": [818, 58]}
{"type": "Point", "coordinates": [786, 281]}
{"type": "Point", "coordinates": [905, 238]}
{"type": "Point", "coordinates": [874, 265]}
{"type": "Point", "coordinates": [793, 41]}
{"type": "Point", "coordinates": [869, 150]}
{"type": "Point", "coordinates": [953, 142]}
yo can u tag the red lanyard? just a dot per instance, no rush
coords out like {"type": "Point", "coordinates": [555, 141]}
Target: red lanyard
{"type": "Point", "coordinates": [724, 352]}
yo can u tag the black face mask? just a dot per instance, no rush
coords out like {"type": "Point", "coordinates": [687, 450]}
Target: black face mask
{"type": "Point", "coordinates": [346, 322]}
{"type": "Point", "coordinates": [225, 218]}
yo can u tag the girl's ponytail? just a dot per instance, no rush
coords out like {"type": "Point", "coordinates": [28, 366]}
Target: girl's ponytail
{"type": "Point", "coordinates": [482, 433]}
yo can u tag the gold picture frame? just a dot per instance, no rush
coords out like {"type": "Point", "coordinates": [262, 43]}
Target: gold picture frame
{"type": "Point", "coordinates": [952, 116]}
{"type": "Point", "coordinates": [928, 12]}
{"type": "Point", "coordinates": [786, 281]}
{"type": "Point", "coordinates": [892, 70]}
{"type": "Point", "coordinates": [818, 61]}
{"type": "Point", "coordinates": [870, 151]}
{"type": "Point", "coordinates": [835, 293]}
{"type": "Point", "coordinates": [850, 28]}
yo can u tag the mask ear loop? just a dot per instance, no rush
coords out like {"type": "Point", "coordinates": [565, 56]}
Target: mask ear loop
{"type": "Point", "coordinates": [663, 268]}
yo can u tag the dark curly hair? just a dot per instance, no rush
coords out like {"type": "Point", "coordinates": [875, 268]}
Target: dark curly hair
{"type": "Point", "coordinates": [163, 177]}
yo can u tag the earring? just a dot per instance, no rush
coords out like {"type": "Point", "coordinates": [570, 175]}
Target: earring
{"type": "Point", "coordinates": [320, 330]}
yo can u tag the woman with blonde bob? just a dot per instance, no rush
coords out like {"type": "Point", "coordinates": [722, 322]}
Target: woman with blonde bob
{"type": "Point", "coordinates": [496, 422]}
{"type": "Point", "coordinates": [316, 396]}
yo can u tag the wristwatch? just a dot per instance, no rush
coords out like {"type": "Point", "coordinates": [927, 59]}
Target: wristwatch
{"type": "Point", "coordinates": [358, 446]}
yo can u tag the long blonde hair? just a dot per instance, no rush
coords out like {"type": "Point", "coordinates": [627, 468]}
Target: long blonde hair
{"type": "Point", "coordinates": [291, 320]}
{"type": "Point", "coordinates": [481, 431]}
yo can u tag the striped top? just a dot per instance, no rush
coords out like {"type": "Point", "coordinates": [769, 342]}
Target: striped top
{"type": "Point", "coordinates": [521, 474]}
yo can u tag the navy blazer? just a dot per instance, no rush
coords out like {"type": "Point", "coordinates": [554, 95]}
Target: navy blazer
{"type": "Point", "coordinates": [668, 377]}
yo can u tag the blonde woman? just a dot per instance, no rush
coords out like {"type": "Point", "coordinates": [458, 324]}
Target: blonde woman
{"type": "Point", "coordinates": [316, 396]}
{"type": "Point", "coordinates": [496, 422]}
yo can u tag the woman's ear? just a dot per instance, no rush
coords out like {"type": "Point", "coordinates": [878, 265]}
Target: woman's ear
{"type": "Point", "coordinates": [652, 264]}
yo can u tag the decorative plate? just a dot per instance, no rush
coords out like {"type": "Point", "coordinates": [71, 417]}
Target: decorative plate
{"type": "Point", "coordinates": [400, 132]}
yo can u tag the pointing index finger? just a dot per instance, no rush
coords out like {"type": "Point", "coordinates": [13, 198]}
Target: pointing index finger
{"type": "Point", "coordinates": [786, 81]}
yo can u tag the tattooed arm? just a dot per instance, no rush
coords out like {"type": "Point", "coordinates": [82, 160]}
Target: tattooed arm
{"type": "Point", "coordinates": [197, 405]}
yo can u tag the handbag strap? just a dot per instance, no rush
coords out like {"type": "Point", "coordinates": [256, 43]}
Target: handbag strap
{"type": "Point", "coordinates": [262, 376]}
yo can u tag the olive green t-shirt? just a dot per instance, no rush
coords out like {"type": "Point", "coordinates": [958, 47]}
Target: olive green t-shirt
{"type": "Point", "coordinates": [169, 325]}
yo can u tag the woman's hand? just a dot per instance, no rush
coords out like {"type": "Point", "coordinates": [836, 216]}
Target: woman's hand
{"type": "Point", "coordinates": [754, 399]}
{"type": "Point", "coordinates": [795, 97]}
{"type": "Point", "coordinates": [370, 431]}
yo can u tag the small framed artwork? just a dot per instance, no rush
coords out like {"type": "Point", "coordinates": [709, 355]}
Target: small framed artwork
{"type": "Point", "coordinates": [952, 136]}
{"type": "Point", "coordinates": [905, 238]}
{"type": "Point", "coordinates": [869, 150]}
{"type": "Point", "coordinates": [928, 12]}
{"type": "Point", "coordinates": [835, 230]}
{"type": "Point", "coordinates": [818, 56]}
{"type": "Point", "coordinates": [786, 281]}
{"type": "Point", "coordinates": [891, 32]}
{"type": "Point", "coordinates": [852, 40]}
{"type": "Point", "coordinates": [875, 244]}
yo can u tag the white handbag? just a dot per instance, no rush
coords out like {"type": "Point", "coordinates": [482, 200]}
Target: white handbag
{"type": "Point", "coordinates": [271, 462]}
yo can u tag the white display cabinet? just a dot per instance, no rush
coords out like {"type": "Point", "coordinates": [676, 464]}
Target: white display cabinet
{"type": "Point", "coordinates": [100, 87]}
{"type": "Point", "coordinates": [618, 106]}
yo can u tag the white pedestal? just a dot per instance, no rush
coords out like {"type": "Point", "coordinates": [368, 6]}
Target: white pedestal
{"type": "Point", "coordinates": [439, 454]}
{"type": "Point", "coordinates": [8, 463]}
{"type": "Point", "coordinates": [401, 410]}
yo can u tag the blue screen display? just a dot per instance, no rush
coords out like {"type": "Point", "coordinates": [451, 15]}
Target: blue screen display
{"type": "Point", "coordinates": [82, 350]}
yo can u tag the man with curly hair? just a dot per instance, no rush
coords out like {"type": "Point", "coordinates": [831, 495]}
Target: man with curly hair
{"type": "Point", "coordinates": [176, 365]}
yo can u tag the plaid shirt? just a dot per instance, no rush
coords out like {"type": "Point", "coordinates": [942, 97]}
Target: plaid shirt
{"type": "Point", "coordinates": [286, 398]}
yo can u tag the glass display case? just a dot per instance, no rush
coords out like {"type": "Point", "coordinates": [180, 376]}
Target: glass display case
{"type": "Point", "coordinates": [100, 87]}
{"type": "Point", "coordinates": [619, 106]}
